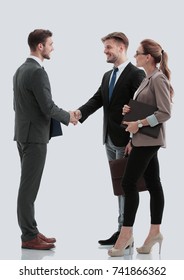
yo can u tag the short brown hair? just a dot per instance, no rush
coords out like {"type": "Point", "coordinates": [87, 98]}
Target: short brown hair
{"type": "Point", "coordinates": [38, 36]}
{"type": "Point", "coordinates": [118, 36]}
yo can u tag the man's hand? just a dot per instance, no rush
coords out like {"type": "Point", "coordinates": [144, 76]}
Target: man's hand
{"type": "Point", "coordinates": [128, 148]}
{"type": "Point", "coordinates": [73, 119]}
{"type": "Point", "coordinates": [77, 114]}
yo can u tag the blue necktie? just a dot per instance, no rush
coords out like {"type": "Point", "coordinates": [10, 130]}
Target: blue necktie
{"type": "Point", "coordinates": [112, 83]}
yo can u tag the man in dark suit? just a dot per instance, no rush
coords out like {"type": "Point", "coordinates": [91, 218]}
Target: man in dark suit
{"type": "Point", "coordinates": [34, 110]}
{"type": "Point", "coordinates": [117, 88]}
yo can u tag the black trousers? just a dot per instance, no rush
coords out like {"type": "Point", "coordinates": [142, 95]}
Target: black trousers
{"type": "Point", "coordinates": [32, 158]}
{"type": "Point", "coordinates": [143, 161]}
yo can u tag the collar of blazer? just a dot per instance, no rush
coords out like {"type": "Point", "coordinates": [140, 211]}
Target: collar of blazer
{"type": "Point", "coordinates": [124, 72]}
{"type": "Point", "coordinates": [32, 60]}
{"type": "Point", "coordinates": [145, 82]}
{"type": "Point", "coordinates": [120, 79]}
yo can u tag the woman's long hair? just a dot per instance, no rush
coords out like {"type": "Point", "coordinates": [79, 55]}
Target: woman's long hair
{"type": "Point", "coordinates": [160, 56]}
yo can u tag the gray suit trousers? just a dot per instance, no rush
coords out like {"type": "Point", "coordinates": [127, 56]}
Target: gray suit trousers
{"type": "Point", "coordinates": [32, 158]}
{"type": "Point", "coordinates": [114, 152]}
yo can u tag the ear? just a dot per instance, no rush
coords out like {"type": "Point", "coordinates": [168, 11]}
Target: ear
{"type": "Point", "coordinates": [148, 57]}
{"type": "Point", "coordinates": [40, 46]}
{"type": "Point", "coordinates": [122, 46]}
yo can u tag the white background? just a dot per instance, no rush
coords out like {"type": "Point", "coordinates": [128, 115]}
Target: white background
{"type": "Point", "coordinates": [76, 202]}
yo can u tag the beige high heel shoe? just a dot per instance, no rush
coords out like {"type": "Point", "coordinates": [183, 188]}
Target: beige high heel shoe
{"type": "Point", "coordinates": [146, 249]}
{"type": "Point", "coordinates": [120, 252]}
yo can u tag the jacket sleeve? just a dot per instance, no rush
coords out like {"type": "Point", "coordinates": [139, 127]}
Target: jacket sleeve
{"type": "Point", "coordinates": [42, 92]}
{"type": "Point", "coordinates": [92, 105]}
{"type": "Point", "coordinates": [163, 101]}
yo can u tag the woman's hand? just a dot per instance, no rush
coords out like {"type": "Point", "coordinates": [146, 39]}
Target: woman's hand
{"type": "Point", "coordinates": [132, 127]}
{"type": "Point", "coordinates": [125, 109]}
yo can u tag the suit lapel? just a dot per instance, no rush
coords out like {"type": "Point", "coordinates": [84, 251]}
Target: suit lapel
{"type": "Point", "coordinates": [118, 83]}
{"type": "Point", "coordinates": [120, 80]}
{"type": "Point", "coordinates": [144, 83]}
{"type": "Point", "coordinates": [106, 86]}
{"type": "Point", "coordinates": [141, 87]}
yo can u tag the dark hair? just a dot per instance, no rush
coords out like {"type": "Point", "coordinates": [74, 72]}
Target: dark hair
{"type": "Point", "coordinates": [159, 55]}
{"type": "Point", "coordinates": [38, 36]}
{"type": "Point", "coordinates": [118, 36]}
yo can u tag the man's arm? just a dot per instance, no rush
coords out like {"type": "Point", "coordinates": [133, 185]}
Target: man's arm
{"type": "Point", "coordinates": [42, 92]}
{"type": "Point", "coordinates": [91, 106]}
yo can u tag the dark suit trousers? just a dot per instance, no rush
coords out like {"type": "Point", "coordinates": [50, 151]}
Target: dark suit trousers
{"type": "Point", "coordinates": [32, 158]}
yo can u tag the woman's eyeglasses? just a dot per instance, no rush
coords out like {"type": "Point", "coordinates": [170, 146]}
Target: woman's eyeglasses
{"type": "Point", "coordinates": [140, 53]}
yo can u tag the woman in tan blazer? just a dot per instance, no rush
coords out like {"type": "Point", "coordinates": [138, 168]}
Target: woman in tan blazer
{"type": "Point", "coordinates": [154, 90]}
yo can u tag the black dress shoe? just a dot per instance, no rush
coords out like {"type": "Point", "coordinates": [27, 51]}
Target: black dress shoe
{"type": "Point", "coordinates": [111, 240]}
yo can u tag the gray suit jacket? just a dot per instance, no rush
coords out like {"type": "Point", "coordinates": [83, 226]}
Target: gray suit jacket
{"type": "Point", "coordinates": [154, 90]}
{"type": "Point", "coordinates": [33, 104]}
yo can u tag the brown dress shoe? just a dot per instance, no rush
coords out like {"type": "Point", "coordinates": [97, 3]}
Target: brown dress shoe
{"type": "Point", "coordinates": [44, 238]}
{"type": "Point", "coordinates": [37, 244]}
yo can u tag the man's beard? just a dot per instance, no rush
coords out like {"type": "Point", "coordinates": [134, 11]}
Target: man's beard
{"type": "Point", "coordinates": [45, 56]}
{"type": "Point", "coordinates": [111, 59]}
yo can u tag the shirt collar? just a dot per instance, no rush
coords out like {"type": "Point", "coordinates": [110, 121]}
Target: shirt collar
{"type": "Point", "coordinates": [122, 66]}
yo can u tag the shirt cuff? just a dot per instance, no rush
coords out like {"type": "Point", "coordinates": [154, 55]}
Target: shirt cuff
{"type": "Point", "coordinates": [152, 120]}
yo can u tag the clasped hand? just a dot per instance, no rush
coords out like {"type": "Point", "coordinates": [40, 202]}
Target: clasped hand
{"type": "Point", "coordinates": [75, 116]}
{"type": "Point", "coordinates": [132, 127]}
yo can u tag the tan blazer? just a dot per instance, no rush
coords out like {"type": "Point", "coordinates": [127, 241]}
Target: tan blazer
{"type": "Point", "coordinates": [154, 90]}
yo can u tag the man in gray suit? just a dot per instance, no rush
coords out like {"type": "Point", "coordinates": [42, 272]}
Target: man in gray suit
{"type": "Point", "coordinates": [34, 110]}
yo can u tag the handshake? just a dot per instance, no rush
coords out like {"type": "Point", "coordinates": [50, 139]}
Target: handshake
{"type": "Point", "coordinates": [75, 116]}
